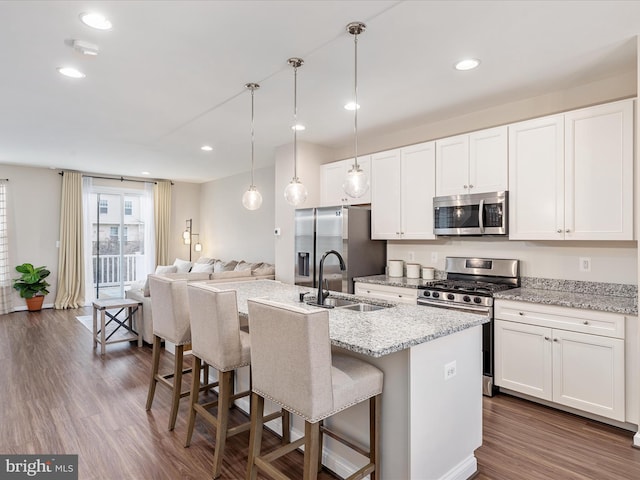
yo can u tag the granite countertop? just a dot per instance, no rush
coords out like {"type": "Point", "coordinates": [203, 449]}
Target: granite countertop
{"type": "Point", "coordinates": [394, 281]}
{"type": "Point", "coordinates": [599, 302]}
{"type": "Point", "coordinates": [375, 333]}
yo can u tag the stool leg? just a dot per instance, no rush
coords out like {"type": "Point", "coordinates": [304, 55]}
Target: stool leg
{"type": "Point", "coordinates": [195, 391]}
{"type": "Point", "coordinates": [286, 427]}
{"type": "Point", "coordinates": [225, 391]}
{"type": "Point", "coordinates": [255, 437]}
{"type": "Point", "coordinates": [374, 434]}
{"type": "Point", "coordinates": [103, 341]}
{"type": "Point", "coordinates": [311, 440]}
{"type": "Point", "coordinates": [155, 364]}
{"type": "Point", "coordinates": [177, 386]}
{"type": "Point", "coordinates": [321, 423]}
{"type": "Point", "coordinates": [95, 327]}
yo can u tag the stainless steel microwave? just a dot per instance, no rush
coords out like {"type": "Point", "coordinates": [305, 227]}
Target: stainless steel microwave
{"type": "Point", "coordinates": [475, 214]}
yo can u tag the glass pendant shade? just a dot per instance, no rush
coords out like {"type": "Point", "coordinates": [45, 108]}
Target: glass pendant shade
{"type": "Point", "coordinates": [252, 200]}
{"type": "Point", "coordinates": [198, 247]}
{"type": "Point", "coordinates": [357, 182]}
{"type": "Point", "coordinates": [295, 193]}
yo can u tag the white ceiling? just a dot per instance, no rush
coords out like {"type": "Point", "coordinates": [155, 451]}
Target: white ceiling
{"type": "Point", "coordinates": [170, 75]}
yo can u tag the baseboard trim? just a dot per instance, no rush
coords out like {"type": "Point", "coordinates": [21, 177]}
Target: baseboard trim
{"type": "Point", "coordinates": [464, 470]}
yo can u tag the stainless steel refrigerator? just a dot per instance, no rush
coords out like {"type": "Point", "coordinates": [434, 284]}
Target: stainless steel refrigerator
{"type": "Point", "coordinates": [345, 229]}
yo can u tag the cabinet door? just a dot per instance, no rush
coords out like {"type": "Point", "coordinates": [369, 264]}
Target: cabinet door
{"type": "Point", "coordinates": [536, 179]}
{"type": "Point", "coordinates": [417, 167]}
{"type": "Point", "coordinates": [384, 292]}
{"type": "Point", "coordinates": [332, 177]}
{"type": "Point", "coordinates": [488, 168]}
{"type": "Point", "coordinates": [599, 172]}
{"type": "Point", "coordinates": [452, 166]}
{"type": "Point", "coordinates": [523, 358]}
{"type": "Point", "coordinates": [588, 373]}
{"type": "Point", "coordinates": [385, 195]}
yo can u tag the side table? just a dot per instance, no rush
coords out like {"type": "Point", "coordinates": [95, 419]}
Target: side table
{"type": "Point", "coordinates": [132, 307]}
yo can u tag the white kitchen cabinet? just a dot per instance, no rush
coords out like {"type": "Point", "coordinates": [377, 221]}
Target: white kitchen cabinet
{"type": "Point", "coordinates": [402, 190]}
{"type": "Point", "coordinates": [387, 292]}
{"type": "Point", "coordinates": [571, 175]}
{"type": "Point", "coordinates": [571, 357]}
{"type": "Point", "coordinates": [332, 177]}
{"type": "Point", "coordinates": [472, 163]}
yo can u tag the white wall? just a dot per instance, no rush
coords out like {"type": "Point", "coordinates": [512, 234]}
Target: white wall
{"type": "Point", "coordinates": [185, 205]}
{"type": "Point", "coordinates": [33, 221]}
{"type": "Point", "coordinates": [231, 232]}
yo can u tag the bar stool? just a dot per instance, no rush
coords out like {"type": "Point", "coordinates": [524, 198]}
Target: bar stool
{"type": "Point", "coordinates": [218, 341]}
{"type": "Point", "coordinates": [170, 308]}
{"type": "Point", "coordinates": [293, 365]}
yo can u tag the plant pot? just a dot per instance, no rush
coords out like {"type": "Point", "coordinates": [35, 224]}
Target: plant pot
{"type": "Point", "coordinates": [34, 304]}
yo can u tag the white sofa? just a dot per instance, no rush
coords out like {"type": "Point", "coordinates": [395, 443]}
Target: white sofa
{"type": "Point", "coordinates": [219, 272]}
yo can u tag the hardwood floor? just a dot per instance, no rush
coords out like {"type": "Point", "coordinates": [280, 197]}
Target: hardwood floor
{"type": "Point", "coordinates": [57, 395]}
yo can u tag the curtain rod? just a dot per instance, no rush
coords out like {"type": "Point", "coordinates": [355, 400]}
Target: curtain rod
{"type": "Point", "coordinates": [122, 179]}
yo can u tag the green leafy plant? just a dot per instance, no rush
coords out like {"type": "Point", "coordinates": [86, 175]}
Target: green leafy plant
{"type": "Point", "coordinates": [32, 281]}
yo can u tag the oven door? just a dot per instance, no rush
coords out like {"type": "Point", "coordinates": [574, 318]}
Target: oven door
{"type": "Point", "coordinates": [487, 337]}
{"type": "Point", "coordinates": [477, 214]}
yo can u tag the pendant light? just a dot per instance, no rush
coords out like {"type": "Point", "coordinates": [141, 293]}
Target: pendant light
{"type": "Point", "coordinates": [251, 200]}
{"type": "Point", "coordinates": [295, 193]}
{"type": "Point", "coordinates": [357, 182]}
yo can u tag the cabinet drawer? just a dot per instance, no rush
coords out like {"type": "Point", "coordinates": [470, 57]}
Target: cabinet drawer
{"type": "Point", "coordinates": [572, 319]}
{"type": "Point", "coordinates": [394, 294]}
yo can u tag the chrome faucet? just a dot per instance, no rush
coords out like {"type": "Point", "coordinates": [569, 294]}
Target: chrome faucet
{"type": "Point", "coordinates": [321, 293]}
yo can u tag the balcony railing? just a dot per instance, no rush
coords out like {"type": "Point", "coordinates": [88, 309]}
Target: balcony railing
{"type": "Point", "coordinates": [107, 269]}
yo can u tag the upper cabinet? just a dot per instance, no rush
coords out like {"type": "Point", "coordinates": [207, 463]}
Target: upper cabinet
{"type": "Point", "coordinates": [472, 163]}
{"type": "Point", "coordinates": [402, 190]}
{"type": "Point", "coordinates": [332, 176]}
{"type": "Point", "coordinates": [571, 175]}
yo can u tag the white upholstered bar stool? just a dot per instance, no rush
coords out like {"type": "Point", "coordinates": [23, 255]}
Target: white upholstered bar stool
{"type": "Point", "coordinates": [293, 365]}
{"type": "Point", "coordinates": [170, 308]}
{"type": "Point", "coordinates": [218, 341]}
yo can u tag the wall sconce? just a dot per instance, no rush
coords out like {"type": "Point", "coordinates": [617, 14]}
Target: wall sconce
{"type": "Point", "coordinates": [187, 238]}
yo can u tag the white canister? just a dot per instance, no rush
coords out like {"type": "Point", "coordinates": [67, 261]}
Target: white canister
{"type": "Point", "coordinates": [413, 270]}
{"type": "Point", "coordinates": [428, 273]}
{"type": "Point", "coordinates": [396, 268]}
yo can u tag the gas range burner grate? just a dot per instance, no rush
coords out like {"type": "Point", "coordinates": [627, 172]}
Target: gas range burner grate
{"type": "Point", "coordinates": [469, 286]}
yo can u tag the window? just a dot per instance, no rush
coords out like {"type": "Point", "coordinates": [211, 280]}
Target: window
{"type": "Point", "coordinates": [104, 207]}
{"type": "Point", "coordinates": [128, 208]}
{"type": "Point", "coordinates": [113, 231]}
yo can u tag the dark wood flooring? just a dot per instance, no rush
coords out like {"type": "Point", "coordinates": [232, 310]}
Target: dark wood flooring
{"type": "Point", "coordinates": [57, 395]}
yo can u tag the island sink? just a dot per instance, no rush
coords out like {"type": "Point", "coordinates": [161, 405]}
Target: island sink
{"type": "Point", "coordinates": [346, 304]}
{"type": "Point", "coordinates": [362, 307]}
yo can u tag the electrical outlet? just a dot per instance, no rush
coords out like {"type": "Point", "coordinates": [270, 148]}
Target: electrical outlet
{"type": "Point", "coordinates": [585, 264]}
{"type": "Point", "coordinates": [434, 257]}
{"type": "Point", "coordinates": [411, 256]}
{"type": "Point", "coordinates": [450, 370]}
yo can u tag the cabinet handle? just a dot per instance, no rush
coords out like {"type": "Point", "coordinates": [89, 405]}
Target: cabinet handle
{"type": "Point", "coordinates": [400, 295]}
{"type": "Point", "coordinates": [368, 291]}
{"type": "Point", "coordinates": [556, 340]}
{"type": "Point", "coordinates": [586, 322]}
{"type": "Point", "coordinates": [567, 231]}
{"type": "Point", "coordinates": [466, 186]}
{"type": "Point", "coordinates": [520, 313]}
{"type": "Point", "coordinates": [546, 338]}
{"type": "Point", "coordinates": [559, 230]}
{"type": "Point", "coordinates": [470, 186]}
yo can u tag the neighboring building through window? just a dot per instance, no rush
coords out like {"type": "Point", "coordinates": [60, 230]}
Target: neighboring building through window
{"type": "Point", "coordinates": [104, 207]}
{"type": "Point", "coordinates": [128, 208]}
{"type": "Point", "coordinates": [113, 231]}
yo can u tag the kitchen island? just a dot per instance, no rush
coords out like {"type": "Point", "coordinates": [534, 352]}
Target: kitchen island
{"type": "Point", "coordinates": [431, 420]}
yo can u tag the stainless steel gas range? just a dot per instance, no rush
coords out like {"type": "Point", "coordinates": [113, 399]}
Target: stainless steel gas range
{"type": "Point", "coordinates": [469, 286]}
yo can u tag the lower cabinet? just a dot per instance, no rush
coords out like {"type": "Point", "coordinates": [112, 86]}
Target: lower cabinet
{"type": "Point", "coordinates": [567, 356]}
{"type": "Point", "coordinates": [387, 292]}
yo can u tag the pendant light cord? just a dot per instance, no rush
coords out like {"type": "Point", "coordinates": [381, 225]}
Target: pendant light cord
{"type": "Point", "coordinates": [252, 137]}
{"type": "Point", "coordinates": [355, 89]}
{"type": "Point", "coordinates": [295, 122]}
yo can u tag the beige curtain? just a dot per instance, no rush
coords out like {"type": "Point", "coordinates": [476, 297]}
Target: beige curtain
{"type": "Point", "coordinates": [71, 273]}
{"type": "Point", "coordinates": [5, 270]}
{"type": "Point", "coordinates": [162, 217]}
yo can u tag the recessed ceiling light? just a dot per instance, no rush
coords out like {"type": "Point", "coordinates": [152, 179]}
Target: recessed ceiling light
{"type": "Point", "coordinates": [298, 127]}
{"type": "Point", "coordinates": [206, 148]}
{"type": "Point", "coordinates": [71, 72]}
{"type": "Point", "coordinates": [96, 20]}
{"type": "Point", "coordinates": [351, 106]}
{"type": "Point", "coordinates": [145, 173]}
{"type": "Point", "coordinates": [467, 64]}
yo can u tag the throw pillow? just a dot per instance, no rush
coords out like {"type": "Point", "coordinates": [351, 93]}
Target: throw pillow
{"type": "Point", "coordinates": [183, 265]}
{"type": "Point", "coordinates": [242, 265]}
{"type": "Point", "coordinates": [221, 266]}
{"type": "Point", "coordinates": [160, 270]}
{"type": "Point", "coordinates": [202, 267]}
{"type": "Point", "coordinates": [265, 269]}
{"type": "Point", "coordinates": [206, 260]}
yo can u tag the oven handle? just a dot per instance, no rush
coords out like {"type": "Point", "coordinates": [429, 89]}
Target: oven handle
{"type": "Point", "coordinates": [480, 215]}
{"type": "Point", "coordinates": [451, 306]}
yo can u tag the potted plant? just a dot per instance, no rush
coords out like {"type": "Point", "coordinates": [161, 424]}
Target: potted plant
{"type": "Point", "coordinates": [32, 285]}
